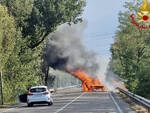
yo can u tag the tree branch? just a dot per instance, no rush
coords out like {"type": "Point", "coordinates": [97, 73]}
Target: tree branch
{"type": "Point", "coordinates": [39, 42]}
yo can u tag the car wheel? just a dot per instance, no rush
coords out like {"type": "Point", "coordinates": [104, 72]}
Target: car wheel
{"type": "Point", "coordinates": [50, 103]}
{"type": "Point", "coordinates": [30, 104]}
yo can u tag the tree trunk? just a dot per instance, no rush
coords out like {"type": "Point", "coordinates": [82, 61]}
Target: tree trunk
{"type": "Point", "coordinates": [46, 74]}
{"type": "Point", "coordinates": [1, 83]}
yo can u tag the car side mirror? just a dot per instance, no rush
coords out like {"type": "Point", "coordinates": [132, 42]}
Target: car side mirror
{"type": "Point", "coordinates": [52, 91]}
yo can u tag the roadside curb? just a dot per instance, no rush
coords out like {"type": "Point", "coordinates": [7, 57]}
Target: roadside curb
{"type": "Point", "coordinates": [11, 107]}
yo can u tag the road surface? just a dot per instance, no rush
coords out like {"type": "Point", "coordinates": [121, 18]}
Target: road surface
{"type": "Point", "coordinates": [78, 102]}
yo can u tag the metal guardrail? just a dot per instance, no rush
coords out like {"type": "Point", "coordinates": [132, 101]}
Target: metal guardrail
{"type": "Point", "coordinates": [68, 87]}
{"type": "Point", "coordinates": [136, 98]}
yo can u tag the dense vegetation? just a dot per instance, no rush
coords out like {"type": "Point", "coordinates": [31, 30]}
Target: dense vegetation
{"type": "Point", "coordinates": [25, 26]}
{"type": "Point", "coordinates": [131, 52]}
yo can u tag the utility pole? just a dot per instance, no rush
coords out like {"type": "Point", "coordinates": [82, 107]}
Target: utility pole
{"type": "Point", "coordinates": [1, 83]}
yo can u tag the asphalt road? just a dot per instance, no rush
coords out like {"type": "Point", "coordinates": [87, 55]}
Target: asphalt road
{"type": "Point", "coordinates": [78, 102]}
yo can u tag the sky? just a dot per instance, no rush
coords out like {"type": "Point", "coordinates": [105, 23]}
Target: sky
{"type": "Point", "coordinates": [102, 17]}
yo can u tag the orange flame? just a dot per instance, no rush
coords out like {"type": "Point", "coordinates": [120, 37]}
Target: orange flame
{"type": "Point", "coordinates": [89, 84]}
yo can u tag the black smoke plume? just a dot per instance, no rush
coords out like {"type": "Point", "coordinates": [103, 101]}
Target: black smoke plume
{"type": "Point", "coordinates": [65, 47]}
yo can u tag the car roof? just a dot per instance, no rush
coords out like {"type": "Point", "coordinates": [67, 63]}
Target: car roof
{"type": "Point", "coordinates": [38, 87]}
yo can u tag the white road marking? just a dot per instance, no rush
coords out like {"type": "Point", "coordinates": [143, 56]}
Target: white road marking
{"type": "Point", "coordinates": [69, 103]}
{"type": "Point", "coordinates": [118, 108]}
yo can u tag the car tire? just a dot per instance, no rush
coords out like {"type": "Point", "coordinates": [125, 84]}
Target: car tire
{"type": "Point", "coordinates": [30, 104]}
{"type": "Point", "coordinates": [50, 103]}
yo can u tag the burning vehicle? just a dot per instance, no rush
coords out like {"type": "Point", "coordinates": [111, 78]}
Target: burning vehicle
{"type": "Point", "coordinates": [65, 49]}
{"type": "Point", "coordinates": [89, 84]}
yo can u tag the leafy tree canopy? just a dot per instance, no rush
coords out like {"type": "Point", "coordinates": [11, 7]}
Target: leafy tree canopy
{"type": "Point", "coordinates": [7, 35]}
{"type": "Point", "coordinates": [38, 18]}
{"type": "Point", "coordinates": [130, 52]}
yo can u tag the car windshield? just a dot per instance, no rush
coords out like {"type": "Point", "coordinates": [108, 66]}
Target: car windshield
{"type": "Point", "coordinates": [35, 90]}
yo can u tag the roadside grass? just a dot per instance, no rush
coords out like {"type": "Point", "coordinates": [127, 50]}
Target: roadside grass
{"type": "Point", "coordinates": [134, 106]}
{"type": "Point", "coordinates": [8, 104]}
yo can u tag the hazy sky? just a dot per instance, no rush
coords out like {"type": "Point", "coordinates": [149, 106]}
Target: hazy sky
{"type": "Point", "coordinates": [102, 17]}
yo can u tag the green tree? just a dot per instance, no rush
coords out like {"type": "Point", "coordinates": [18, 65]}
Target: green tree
{"type": "Point", "coordinates": [22, 71]}
{"type": "Point", "coordinates": [33, 20]}
{"type": "Point", "coordinates": [38, 18]}
{"type": "Point", "coordinates": [7, 40]}
{"type": "Point", "coordinates": [130, 52]}
{"type": "Point", "coordinates": [7, 35]}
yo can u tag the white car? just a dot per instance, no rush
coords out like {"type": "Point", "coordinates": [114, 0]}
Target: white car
{"type": "Point", "coordinates": [39, 95]}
